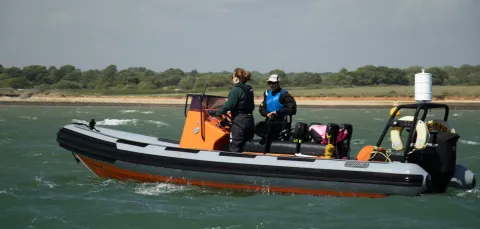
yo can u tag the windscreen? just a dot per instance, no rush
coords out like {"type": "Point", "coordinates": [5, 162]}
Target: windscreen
{"type": "Point", "coordinates": [209, 102]}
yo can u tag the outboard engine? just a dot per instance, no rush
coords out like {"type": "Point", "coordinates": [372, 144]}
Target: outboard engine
{"type": "Point", "coordinates": [439, 160]}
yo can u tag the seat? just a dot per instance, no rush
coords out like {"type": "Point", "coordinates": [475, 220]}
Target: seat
{"type": "Point", "coordinates": [315, 149]}
{"type": "Point", "coordinates": [264, 128]}
{"type": "Point", "coordinates": [290, 147]}
{"type": "Point", "coordinates": [276, 146]}
{"type": "Point", "coordinates": [254, 145]}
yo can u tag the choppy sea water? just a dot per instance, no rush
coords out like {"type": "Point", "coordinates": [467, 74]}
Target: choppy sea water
{"type": "Point", "coordinates": [41, 185]}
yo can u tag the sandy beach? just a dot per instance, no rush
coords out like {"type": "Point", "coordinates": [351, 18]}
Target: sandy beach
{"type": "Point", "coordinates": [135, 100]}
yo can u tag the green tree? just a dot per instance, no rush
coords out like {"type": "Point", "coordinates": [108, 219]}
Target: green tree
{"type": "Point", "coordinates": [170, 77]}
{"type": "Point", "coordinates": [187, 83]}
{"type": "Point", "coordinates": [67, 84]}
{"type": "Point", "coordinates": [19, 83]}
{"type": "Point", "coordinates": [34, 73]}
{"type": "Point", "coordinates": [108, 77]}
{"type": "Point", "coordinates": [75, 76]}
{"type": "Point", "coordinates": [13, 72]}
{"type": "Point", "coordinates": [438, 75]}
{"type": "Point", "coordinates": [90, 79]}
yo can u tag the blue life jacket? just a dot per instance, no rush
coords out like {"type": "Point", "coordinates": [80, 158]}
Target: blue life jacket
{"type": "Point", "coordinates": [273, 101]}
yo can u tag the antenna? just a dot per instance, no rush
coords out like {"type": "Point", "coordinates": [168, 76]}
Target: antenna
{"type": "Point", "coordinates": [205, 89]}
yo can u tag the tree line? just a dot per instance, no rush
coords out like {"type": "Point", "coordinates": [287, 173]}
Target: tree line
{"type": "Point", "coordinates": [141, 78]}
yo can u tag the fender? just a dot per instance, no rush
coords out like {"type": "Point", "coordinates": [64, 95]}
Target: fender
{"type": "Point", "coordinates": [421, 131]}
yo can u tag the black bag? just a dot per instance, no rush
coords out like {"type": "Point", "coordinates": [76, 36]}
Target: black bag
{"type": "Point", "coordinates": [300, 133]}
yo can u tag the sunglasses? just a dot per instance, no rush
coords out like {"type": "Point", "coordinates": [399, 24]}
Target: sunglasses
{"type": "Point", "coordinates": [271, 83]}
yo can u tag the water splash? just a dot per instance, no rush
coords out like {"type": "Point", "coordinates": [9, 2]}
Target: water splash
{"type": "Point", "coordinates": [111, 122]}
{"type": "Point", "coordinates": [128, 111]}
{"type": "Point", "coordinates": [45, 183]}
{"type": "Point", "coordinates": [469, 193]}
{"type": "Point", "coordinates": [159, 189]}
{"type": "Point", "coordinates": [117, 122]}
{"type": "Point", "coordinates": [158, 123]}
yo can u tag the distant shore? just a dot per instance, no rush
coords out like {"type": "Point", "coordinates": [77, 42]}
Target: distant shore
{"type": "Point", "coordinates": [154, 101]}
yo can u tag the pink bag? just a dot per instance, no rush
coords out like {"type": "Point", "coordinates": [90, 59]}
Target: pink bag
{"type": "Point", "coordinates": [318, 133]}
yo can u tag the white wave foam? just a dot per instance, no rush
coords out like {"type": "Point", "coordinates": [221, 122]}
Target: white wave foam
{"type": "Point", "coordinates": [158, 189]}
{"type": "Point", "coordinates": [472, 192]}
{"type": "Point", "coordinates": [469, 142]}
{"type": "Point", "coordinates": [32, 154]}
{"type": "Point", "coordinates": [379, 119]}
{"type": "Point", "coordinates": [47, 183]}
{"type": "Point", "coordinates": [6, 140]}
{"type": "Point", "coordinates": [29, 118]}
{"type": "Point", "coordinates": [1, 120]}
{"type": "Point", "coordinates": [82, 112]}
{"type": "Point", "coordinates": [457, 115]}
{"type": "Point", "coordinates": [358, 141]}
{"type": "Point", "coordinates": [117, 122]}
{"type": "Point", "coordinates": [147, 112]}
{"type": "Point", "coordinates": [158, 123]}
{"type": "Point", "coordinates": [128, 111]}
{"type": "Point", "coordinates": [79, 121]}
{"type": "Point", "coordinates": [110, 122]}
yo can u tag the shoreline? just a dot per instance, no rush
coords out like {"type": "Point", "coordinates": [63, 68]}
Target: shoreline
{"type": "Point", "coordinates": [154, 101]}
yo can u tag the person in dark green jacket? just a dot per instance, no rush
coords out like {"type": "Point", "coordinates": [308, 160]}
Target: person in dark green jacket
{"type": "Point", "coordinates": [240, 104]}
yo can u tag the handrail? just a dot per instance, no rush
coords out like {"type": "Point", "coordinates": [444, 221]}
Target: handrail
{"type": "Point", "coordinates": [417, 106]}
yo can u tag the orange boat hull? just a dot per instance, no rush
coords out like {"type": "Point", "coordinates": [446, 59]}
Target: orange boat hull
{"type": "Point", "coordinates": [106, 170]}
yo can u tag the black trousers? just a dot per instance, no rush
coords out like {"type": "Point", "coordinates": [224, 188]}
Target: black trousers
{"type": "Point", "coordinates": [275, 126]}
{"type": "Point", "coordinates": [242, 130]}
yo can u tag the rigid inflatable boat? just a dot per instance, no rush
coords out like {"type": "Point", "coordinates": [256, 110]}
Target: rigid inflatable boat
{"type": "Point", "coordinates": [422, 158]}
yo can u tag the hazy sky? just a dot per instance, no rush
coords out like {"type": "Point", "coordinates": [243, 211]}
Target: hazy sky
{"type": "Point", "coordinates": [216, 35]}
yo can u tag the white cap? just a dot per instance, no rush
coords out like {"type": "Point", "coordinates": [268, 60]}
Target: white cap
{"type": "Point", "coordinates": [274, 78]}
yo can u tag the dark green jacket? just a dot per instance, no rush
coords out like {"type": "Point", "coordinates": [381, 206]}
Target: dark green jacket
{"type": "Point", "coordinates": [240, 99]}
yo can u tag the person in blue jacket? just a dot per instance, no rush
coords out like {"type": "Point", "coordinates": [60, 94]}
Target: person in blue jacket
{"type": "Point", "coordinates": [277, 104]}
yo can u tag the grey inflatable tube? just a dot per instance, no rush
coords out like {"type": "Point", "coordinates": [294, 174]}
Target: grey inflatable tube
{"type": "Point", "coordinates": [464, 178]}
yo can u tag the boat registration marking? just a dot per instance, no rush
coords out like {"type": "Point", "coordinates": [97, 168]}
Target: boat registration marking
{"type": "Point", "coordinates": [356, 164]}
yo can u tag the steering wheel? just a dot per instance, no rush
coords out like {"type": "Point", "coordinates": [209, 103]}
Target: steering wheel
{"type": "Point", "coordinates": [226, 120]}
